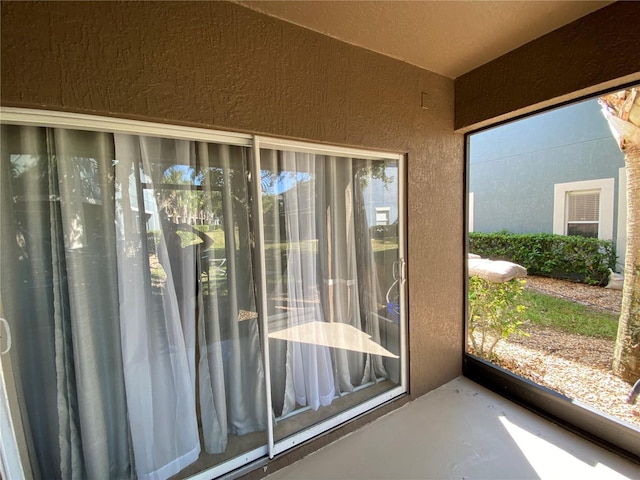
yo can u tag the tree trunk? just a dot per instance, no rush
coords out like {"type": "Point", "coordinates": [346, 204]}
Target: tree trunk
{"type": "Point", "coordinates": [626, 361]}
{"type": "Point", "coordinates": [622, 111]}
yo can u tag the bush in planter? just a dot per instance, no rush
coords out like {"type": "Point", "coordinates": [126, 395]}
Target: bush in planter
{"type": "Point", "coordinates": [572, 257]}
{"type": "Point", "coordinates": [495, 313]}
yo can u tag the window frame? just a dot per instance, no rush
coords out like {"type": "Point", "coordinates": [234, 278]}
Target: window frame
{"type": "Point", "coordinates": [607, 432]}
{"type": "Point", "coordinates": [470, 212]}
{"type": "Point", "coordinates": [277, 447]}
{"type": "Point", "coordinates": [604, 186]}
{"type": "Point", "coordinates": [76, 121]}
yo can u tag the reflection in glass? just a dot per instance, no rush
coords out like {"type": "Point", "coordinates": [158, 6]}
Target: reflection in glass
{"type": "Point", "coordinates": [333, 294]}
{"type": "Point", "coordinates": [127, 281]}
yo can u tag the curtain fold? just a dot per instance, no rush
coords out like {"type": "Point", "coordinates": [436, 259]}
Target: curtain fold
{"type": "Point", "coordinates": [235, 382]}
{"type": "Point", "coordinates": [369, 294]}
{"type": "Point", "coordinates": [350, 289]}
{"type": "Point", "coordinates": [160, 392]}
{"type": "Point", "coordinates": [211, 387]}
{"type": "Point", "coordinates": [330, 277]}
{"type": "Point", "coordinates": [86, 219]}
{"type": "Point", "coordinates": [309, 369]}
{"type": "Point", "coordinates": [26, 287]}
{"type": "Point", "coordinates": [338, 255]}
{"type": "Point", "coordinates": [244, 372]}
{"type": "Point", "coordinates": [276, 264]}
{"type": "Point", "coordinates": [54, 245]}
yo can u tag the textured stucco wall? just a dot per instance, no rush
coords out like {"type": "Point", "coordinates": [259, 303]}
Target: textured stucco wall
{"type": "Point", "coordinates": [513, 167]}
{"type": "Point", "coordinates": [220, 65]}
{"type": "Point", "coordinates": [595, 52]}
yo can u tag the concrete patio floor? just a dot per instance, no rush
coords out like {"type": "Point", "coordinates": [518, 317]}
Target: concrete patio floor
{"type": "Point", "coordinates": [462, 431]}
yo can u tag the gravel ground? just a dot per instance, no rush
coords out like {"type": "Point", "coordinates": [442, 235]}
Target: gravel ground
{"type": "Point", "coordinates": [575, 365]}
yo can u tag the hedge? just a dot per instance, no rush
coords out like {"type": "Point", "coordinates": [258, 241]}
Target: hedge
{"type": "Point", "coordinates": [576, 258]}
{"type": "Point", "coordinates": [382, 232]}
{"type": "Point", "coordinates": [153, 240]}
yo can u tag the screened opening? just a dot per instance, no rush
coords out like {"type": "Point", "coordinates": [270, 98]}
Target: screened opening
{"type": "Point", "coordinates": [547, 195]}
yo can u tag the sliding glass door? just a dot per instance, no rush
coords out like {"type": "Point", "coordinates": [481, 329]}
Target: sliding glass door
{"type": "Point", "coordinates": [334, 283]}
{"type": "Point", "coordinates": [187, 303]}
{"type": "Point", "coordinates": [127, 284]}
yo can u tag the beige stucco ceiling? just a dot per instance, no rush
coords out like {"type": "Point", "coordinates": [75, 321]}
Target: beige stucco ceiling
{"type": "Point", "coordinates": [446, 37]}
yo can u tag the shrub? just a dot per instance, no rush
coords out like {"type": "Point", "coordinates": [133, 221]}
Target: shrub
{"type": "Point", "coordinates": [153, 239]}
{"type": "Point", "coordinates": [384, 232]}
{"type": "Point", "coordinates": [495, 313]}
{"type": "Point", "coordinates": [576, 258]}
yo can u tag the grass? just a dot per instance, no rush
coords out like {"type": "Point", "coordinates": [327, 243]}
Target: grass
{"type": "Point", "coordinates": [383, 245]}
{"type": "Point", "coordinates": [548, 311]}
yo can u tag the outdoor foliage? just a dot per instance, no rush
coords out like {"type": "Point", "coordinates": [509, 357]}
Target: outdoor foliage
{"type": "Point", "coordinates": [153, 240]}
{"type": "Point", "coordinates": [384, 232]}
{"type": "Point", "coordinates": [495, 313]}
{"type": "Point", "coordinates": [576, 258]}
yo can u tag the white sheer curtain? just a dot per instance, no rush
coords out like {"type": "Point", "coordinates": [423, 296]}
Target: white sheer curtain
{"type": "Point", "coordinates": [330, 276]}
{"type": "Point", "coordinates": [309, 371]}
{"type": "Point", "coordinates": [222, 352]}
{"type": "Point", "coordinates": [155, 352]}
{"type": "Point", "coordinates": [59, 288]}
{"type": "Point", "coordinates": [124, 361]}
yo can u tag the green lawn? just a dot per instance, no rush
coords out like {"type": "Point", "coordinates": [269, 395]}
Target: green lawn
{"type": "Point", "coordinates": [548, 311]}
{"type": "Point", "coordinates": [383, 245]}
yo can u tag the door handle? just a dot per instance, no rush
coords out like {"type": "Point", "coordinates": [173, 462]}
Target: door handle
{"type": "Point", "coordinates": [3, 321]}
{"type": "Point", "coordinates": [403, 271]}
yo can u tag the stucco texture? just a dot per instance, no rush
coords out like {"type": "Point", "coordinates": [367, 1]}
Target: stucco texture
{"type": "Point", "coordinates": [596, 52]}
{"type": "Point", "coordinates": [220, 65]}
{"type": "Point", "coordinates": [513, 168]}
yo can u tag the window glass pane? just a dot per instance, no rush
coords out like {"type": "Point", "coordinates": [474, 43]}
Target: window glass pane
{"type": "Point", "coordinates": [127, 281]}
{"type": "Point", "coordinates": [583, 207]}
{"type": "Point", "coordinates": [333, 286]}
{"type": "Point", "coordinates": [536, 183]}
{"type": "Point", "coordinates": [583, 229]}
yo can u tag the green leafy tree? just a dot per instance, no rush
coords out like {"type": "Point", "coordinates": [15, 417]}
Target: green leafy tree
{"type": "Point", "coordinates": [171, 200]}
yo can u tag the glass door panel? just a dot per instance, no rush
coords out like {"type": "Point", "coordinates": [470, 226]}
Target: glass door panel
{"type": "Point", "coordinates": [333, 283]}
{"type": "Point", "coordinates": [127, 284]}
{"type": "Point", "coordinates": [139, 329]}
{"type": "Point", "coordinates": [203, 246]}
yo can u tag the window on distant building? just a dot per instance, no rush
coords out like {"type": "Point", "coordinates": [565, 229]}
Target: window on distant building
{"type": "Point", "coordinates": [382, 215]}
{"type": "Point", "coordinates": [583, 213]}
{"type": "Point", "coordinates": [584, 208]}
